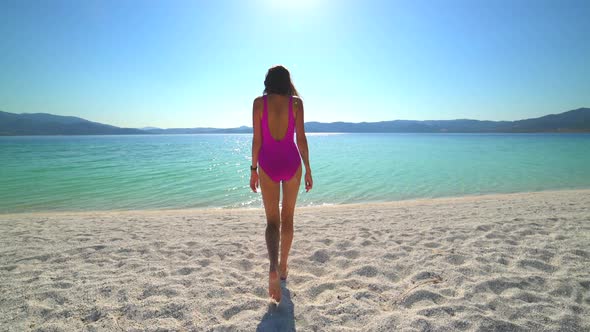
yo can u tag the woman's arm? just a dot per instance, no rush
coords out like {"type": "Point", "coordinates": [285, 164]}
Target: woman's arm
{"type": "Point", "coordinates": [302, 143]}
{"type": "Point", "coordinates": [256, 140]}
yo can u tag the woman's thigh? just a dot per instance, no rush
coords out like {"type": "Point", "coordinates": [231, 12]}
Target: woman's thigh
{"type": "Point", "coordinates": [271, 192]}
{"type": "Point", "coordinates": [290, 191]}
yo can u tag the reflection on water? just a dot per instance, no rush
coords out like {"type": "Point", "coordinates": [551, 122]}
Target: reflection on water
{"type": "Point", "coordinates": [212, 171]}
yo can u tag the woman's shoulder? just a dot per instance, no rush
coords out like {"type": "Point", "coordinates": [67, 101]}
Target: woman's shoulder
{"type": "Point", "coordinates": [297, 101]}
{"type": "Point", "coordinates": [258, 101]}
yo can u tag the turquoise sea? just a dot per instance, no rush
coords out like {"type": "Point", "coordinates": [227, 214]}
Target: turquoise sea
{"type": "Point", "coordinates": [82, 173]}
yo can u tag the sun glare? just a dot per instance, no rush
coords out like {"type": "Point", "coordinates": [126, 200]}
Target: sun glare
{"type": "Point", "coordinates": [294, 4]}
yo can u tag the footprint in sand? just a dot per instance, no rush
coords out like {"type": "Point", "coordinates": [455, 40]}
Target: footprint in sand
{"type": "Point", "coordinates": [439, 312]}
{"type": "Point", "coordinates": [320, 256]}
{"type": "Point", "coordinates": [62, 285]}
{"type": "Point", "coordinates": [186, 271]}
{"type": "Point", "coordinates": [581, 253]}
{"type": "Point", "coordinates": [93, 316]}
{"type": "Point", "coordinates": [158, 244]}
{"type": "Point", "coordinates": [53, 296]}
{"type": "Point", "coordinates": [366, 243]}
{"type": "Point", "coordinates": [536, 264]}
{"type": "Point", "coordinates": [42, 258]}
{"type": "Point", "coordinates": [455, 259]}
{"type": "Point", "coordinates": [420, 296]}
{"type": "Point", "coordinates": [350, 254]}
{"type": "Point", "coordinates": [204, 262]}
{"type": "Point", "coordinates": [394, 256]}
{"type": "Point", "coordinates": [499, 285]}
{"type": "Point", "coordinates": [236, 309]}
{"type": "Point", "coordinates": [153, 290]}
{"type": "Point", "coordinates": [245, 264]}
{"type": "Point", "coordinates": [343, 245]}
{"type": "Point", "coordinates": [484, 228]}
{"type": "Point", "coordinates": [315, 291]}
{"type": "Point", "coordinates": [8, 268]}
{"type": "Point", "coordinates": [369, 271]}
{"type": "Point", "coordinates": [585, 284]}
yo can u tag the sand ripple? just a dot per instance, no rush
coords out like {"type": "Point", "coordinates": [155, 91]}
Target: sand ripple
{"type": "Point", "coordinates": [492, 263]}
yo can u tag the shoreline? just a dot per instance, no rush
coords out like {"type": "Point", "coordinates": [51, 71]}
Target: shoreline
{"type": "Point", "coordinates": [223, 210]}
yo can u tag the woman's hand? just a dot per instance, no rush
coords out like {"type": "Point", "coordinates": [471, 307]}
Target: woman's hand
{"type": "Point", "coordinates": [308, 181]}
{"type": "Point", "coordinates": [254, 180]}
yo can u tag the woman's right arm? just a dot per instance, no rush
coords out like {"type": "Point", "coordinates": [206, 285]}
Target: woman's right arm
{"type": "Point", "coordinates": [256, 140]}
{"type": "Point", "coordinates": [302, 143]}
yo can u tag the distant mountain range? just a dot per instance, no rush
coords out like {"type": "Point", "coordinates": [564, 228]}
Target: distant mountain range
{"type": "Point", "coordinates": [47, 124]}
{"type": "Point", "coordinates": [572, 121]}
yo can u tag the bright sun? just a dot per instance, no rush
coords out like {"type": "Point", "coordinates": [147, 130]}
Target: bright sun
{"type": "Point", "coordinates": [294, 4]}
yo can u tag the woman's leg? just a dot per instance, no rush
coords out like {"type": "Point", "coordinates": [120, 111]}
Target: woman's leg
{"type": "Point", "coordinates": [290, 191]}
{"type": "Point", "coordinates": [270, 198]}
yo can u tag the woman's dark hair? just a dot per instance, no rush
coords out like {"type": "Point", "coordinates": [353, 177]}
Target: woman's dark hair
{"type": "Point", "coordinates": [278, 80]}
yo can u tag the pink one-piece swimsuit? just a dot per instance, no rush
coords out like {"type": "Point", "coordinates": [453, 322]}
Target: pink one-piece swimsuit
{"type": "Point", "coordinates": [279, 159]}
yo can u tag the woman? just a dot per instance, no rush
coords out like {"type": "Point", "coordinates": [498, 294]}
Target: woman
{"type": "Point", "coordinates": [276, 160]}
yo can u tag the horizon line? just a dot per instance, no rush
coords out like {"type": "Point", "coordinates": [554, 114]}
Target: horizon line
{"type": "Point", "coordinates": [463, 119]}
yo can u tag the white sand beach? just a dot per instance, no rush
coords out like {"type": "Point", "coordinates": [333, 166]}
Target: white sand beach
{"type": "Point", "coordinates": [514, 262]}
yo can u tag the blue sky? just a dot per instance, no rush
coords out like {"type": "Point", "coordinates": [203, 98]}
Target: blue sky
{"type": "Point", "coordinates": [201, 63]}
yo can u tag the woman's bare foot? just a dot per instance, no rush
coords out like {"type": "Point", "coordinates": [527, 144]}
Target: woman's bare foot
{"type": "Point", "coordinates": [274, 286]}
{"type": "Point", "coordinates": [284, 270]}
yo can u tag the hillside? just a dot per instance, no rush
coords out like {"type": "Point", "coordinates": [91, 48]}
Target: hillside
{"type": "Point", "coordinates": [48, 124]}
{"type": "Point", "coordinates": [577, 120]}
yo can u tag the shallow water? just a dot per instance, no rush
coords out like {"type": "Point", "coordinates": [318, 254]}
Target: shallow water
{"type": "Point", "coordinates": [58, 173]}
